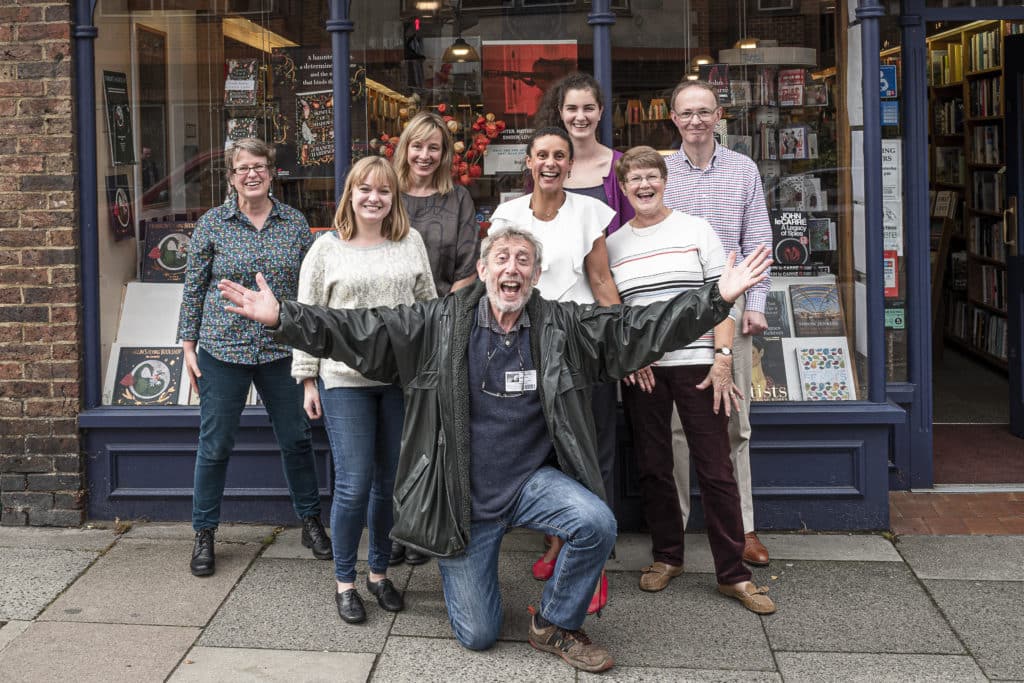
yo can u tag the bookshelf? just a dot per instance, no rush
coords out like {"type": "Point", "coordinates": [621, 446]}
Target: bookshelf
{"type": "Point", "coordinates": [967, 138]}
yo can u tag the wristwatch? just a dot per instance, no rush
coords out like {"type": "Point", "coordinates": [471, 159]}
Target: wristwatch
{"type": "Point", "coordinates": [724, 350]}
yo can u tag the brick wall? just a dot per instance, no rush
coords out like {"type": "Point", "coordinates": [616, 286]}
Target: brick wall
{"type": "Point", "coordinates": [42, 479]}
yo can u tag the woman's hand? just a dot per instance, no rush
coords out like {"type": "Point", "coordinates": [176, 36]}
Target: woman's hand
{"type": "Point", "coordinates": [737, 279]}
{"type": "Point", "coordinates": [727, 394]}
{"type": "Point", "coordinates": [260, 305]}
{"type": "Point", "coordinates": [311, 399]}
{"type": "Point", "coordinates": [192, 364]}
{"type": "Point", "coordinates": [642, 378]}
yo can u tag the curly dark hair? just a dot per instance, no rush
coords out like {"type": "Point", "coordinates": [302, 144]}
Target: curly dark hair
{"type": "Point", "coordinates": [549, 113]}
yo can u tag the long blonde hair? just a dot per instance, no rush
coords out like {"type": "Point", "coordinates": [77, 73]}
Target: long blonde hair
{"type": "Point", "coordinates": [420, 127]}
{"type": "Point", "coordinates": [375, 168]}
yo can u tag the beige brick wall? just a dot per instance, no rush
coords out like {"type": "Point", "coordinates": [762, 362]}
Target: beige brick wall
{"type": "Point", "coordinates": [41, 466]}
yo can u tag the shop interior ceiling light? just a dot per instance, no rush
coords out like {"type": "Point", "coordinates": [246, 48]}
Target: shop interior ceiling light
{"type": "Point", "coordinates": [460, 51]}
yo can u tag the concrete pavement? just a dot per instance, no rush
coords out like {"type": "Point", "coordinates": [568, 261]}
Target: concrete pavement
{"type": "Point", "coordinates": [92, 605]}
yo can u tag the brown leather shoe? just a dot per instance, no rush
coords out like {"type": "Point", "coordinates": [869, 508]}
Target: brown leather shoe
{"type": "Point", "coordinates": [655, 577]}
{"type": "Point", "coordinates": [754, 551]}
{"type": "Point", "coordinates": [753, 598]}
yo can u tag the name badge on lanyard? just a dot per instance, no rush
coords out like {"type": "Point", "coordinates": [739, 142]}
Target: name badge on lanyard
{"type": "Point", "coordinates": [521, 380]}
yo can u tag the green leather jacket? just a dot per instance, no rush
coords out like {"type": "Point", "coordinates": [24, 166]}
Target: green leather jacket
{"type": "Point", "coordinates": [424, 349]}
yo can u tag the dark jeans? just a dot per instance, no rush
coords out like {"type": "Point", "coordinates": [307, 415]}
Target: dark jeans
{"type": "Point", "coordinates": [364, 425]}
{"type": "Point", "coordinates": [223, 389]}
{"type": "Point", "coordinates": [707, 435]}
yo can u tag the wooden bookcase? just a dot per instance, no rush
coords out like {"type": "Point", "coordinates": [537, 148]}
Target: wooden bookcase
{"type": "Point", "coordinates": [967, 137]}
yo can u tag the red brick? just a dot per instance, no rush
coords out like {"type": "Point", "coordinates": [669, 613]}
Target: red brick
{"type": "Point", "coordinates": [44, 105]}
{"type": "Point", "coordinates": [22, 163]}
{"type": "Point", "coordinates": [30, 32]}
{"type": "Point", "coordinates": [21, 52]}
{"type": "Point", "coordinates": [64, 314]}
{"type": "Point", "coordinates": [59, 12]}
{"type": "Point", "coordinates": [49, 333]}
{"type": "Point", "coordinates": [51, 444]}
{"type": "Point", "coordinates": [64, 275]}
{"type": "Point", "coordinates": [12, 371]}
{"type": "Point", "coordinates": [48, 257]}
{"type": "Point", "coordinates": [48, 295]}
{"type": "Point", "coordinates": [24, 276]}
{"type": "Point", "coordinates": [66, 389]}
{"type": "Point", "coordinates": [10, 295]}
{"type": "Point", "coordinates": [46, 219]}
{"type": "Point", "coordinates": [21, 89]}
{"type": "Point", "coordinates": [10, 334]}
{"type": "Point", "coordinates": [22, 389]}
{"type": "Point", "coordinates": [66, 370]}
{"type": "Point", "coordinates": [66, 237]}
{"type": "Point", "coordinates": [65, 351]}
{"type": "Point", "coordinates": [49, 407]}
{"type": "Point", "coordinates": [24, 200]}
{"type": "Point", "coordinates": [11, 15]}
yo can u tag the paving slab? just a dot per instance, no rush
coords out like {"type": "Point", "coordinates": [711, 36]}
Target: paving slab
{"type": "Point", "coordinates": [437, 659]}
{"type": "Point", "coordinates": [289, 605]}
{"type": "Point", "coordinates": [982, 558]}
{"type": "Point", "coordinates": [854, 607]}
{"type": "Point", "coordinates": [425, 613]}
{"type": "Point", "coordinates": [226, 533]}
{"type": "Point", "coordinates": [30, 578]}
{"type": "Point", "coordinates": [989, 619]}
{"type": "Point", "coordinates": [11, 630]}
{"type": "Point", "coordinates": [643, 674]}
{"type": "Point", "coordinates": [56, 539]}
{"type": "Point", "coordinates": [148, 582]}
{"type": "Point", "coordinates": [633, 553]}
{"type": "Point", "coordinates": [94, 652]}
{"type": "Point", "coordinates": [813, 667]}
{"type": "Point", "coordinates": [689, 625]}
{"type": "Point", "coordinates": [215, 664]}
{"type": "Point", "coordinates": [830, 547]}
{"type": "Point", "coordinates": [288, 546]}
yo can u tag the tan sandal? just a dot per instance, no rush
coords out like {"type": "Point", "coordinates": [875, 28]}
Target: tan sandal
{"type": "Point", "coordinates": [655, 577]}
{"type": "Point", "coordinates": [755, 600]}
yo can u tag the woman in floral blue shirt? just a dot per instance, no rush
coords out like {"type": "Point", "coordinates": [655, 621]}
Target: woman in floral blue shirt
{"type": "Point", "coordinates": [251, 232]}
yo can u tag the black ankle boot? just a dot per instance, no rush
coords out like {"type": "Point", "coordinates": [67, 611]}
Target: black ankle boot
{"type": "Point", "coordinates": [203, 559]}
{"type": "Point", "coordinates": [315, 538]}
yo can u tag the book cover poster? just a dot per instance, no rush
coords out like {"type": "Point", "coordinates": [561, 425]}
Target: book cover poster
{"type": "Point", "coordinates": [516, 73]}
{"type": "Point", "coordinates": [742, 93]}
{"type": "Point", "coordinates": [119, 118]}
{"type": "Point", "coordinates": [241, 83]}
{"type": "Point", "coordinates": [790, 242]}
{"type": "Point", "coordinates": [822, 234]}
{"type": "Point", "coordinates": [717, 76]}
{"type": "Point", "coordinates": [825, 372]}
{"type": "Point", "coordinates": [166, 254]}
{"type": "Point", "coordinates": [791, 87]}
{"type": "Point", "coordinates": [776, 312]}
{"type": "Point", "coordinates": [148, 376]}
{"type": "Point", "coordinates": [793, 142]}
{"type": "Point", "coordinates": [119, 206]}
{"type": "Point", "coordinates": [240, 128]}
{"type": "Point", "coordinates": [816, 310]}
{"type": "Point", "coordinates": [816, 95]}
{"type": "Point", "coordinates": [768, 374]}
{"type": "Point", "coordinates": [314, 113]}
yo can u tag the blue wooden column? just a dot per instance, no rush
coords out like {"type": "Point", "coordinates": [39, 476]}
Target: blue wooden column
{"type": "Point", "coordinates": [601, 18]}
{"type": "Point", "coordinates": [340, 26]}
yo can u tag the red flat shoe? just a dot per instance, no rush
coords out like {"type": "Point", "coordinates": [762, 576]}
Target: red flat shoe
{"type": "Point", "coordinates": [600, 597]}
{"type": "Point", "coordinates": [542, 570]}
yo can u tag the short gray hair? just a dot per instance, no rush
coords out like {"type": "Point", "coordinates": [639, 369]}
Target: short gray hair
{"type": "Point", "coordinates": [255, 147]}
{"type": "Point", "coordinates": [510, 231]}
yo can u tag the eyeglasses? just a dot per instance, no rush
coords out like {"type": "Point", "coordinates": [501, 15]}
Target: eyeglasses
{"type": "Point", "coordinates": [702, 114]}
{"type": "Point", "coordinates": [650, 179]}
{"type": "Point", "coordinates": [522, 369]}
{"type": "Point", "coordinates": [244, 170]}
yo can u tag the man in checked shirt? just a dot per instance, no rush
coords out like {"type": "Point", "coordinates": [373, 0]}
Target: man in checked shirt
{"type": "Point", "coordinates": [723, 187]}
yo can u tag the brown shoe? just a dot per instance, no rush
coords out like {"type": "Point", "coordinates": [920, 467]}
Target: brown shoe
{"type": "Point", "coordinates": [572, 646]}
{"type": "Point", "coordinates": [655, 577]}
{"type": "Point", "coordinates": [754, 551]}
{"type": "Point", "coordinates": [753, 598]}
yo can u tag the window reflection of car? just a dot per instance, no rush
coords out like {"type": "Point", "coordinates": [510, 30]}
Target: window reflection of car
{"type": "Point", "coordinates": [189, 189]}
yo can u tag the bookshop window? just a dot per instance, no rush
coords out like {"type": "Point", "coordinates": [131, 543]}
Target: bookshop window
{"type": "Point", "coordinates": [174, 88]}
{"type": "Point", "coordinates": [773, 67]}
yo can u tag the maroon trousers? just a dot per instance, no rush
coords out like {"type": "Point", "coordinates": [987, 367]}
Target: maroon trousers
{"type": "Point", "coordinates": [707, 435]}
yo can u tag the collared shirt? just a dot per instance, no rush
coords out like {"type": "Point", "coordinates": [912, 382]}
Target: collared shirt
{"type": "Point", "coordinates": [485, 318]}
{"type": "Point", "coordinates": [727, 194]}
{"type": "Point", "coordinates": [225, 244]}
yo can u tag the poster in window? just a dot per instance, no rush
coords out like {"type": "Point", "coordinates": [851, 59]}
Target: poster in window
{"type": "Point", "coordinates": [790, 242]}
{"type": "Point", "coordinates": [768, 374]}
{"type": "Point", "coordinates": [119, 206]}
{"type": "Point", "coordinates": [825, 371]}
{"type": "Point", "coordinates": [242, 83]}
{"type": "Point", "coordinates": [717, 76]}
{"type": "Point", "coordinates": [166, 254]}
{"type": "Point", "coordinates": [119, 118]}
{"type": "Point", "coordinates": [776, 313]}
{"type": "Point", "coordinates": [148, 376]}
{"type": "Point", "coordinates": [816, 311]}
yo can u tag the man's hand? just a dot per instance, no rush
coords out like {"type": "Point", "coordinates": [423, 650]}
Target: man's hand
{"type": "Point", "coordinates": [261, 305]}
{"type": "Point", "coordinates": [754, 322]}
{"type": "Point", "coordinates": [737, 279]}
{"type": "Point", "coordinates": [643, 379]}
{"type": "Point", "coordinates": [192, 364]}
{"type": "Point", "coordinates": [727, 394]}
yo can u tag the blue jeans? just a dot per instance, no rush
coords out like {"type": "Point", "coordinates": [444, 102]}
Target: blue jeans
{"type": "Point", "coordinates": [223, 389]}
{"type": "Point", "coordinates": [364, 425]}
{"type": "Point", "coordinates": [551, 502]}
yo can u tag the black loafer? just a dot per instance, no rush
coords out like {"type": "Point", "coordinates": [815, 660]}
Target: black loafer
{"type": "Point", "coordinates": [397, 554]}
{"type": "Point", "coordinates": [415, 557]}
{"type": "Point", "coordinates": [350, 606]}
{"type": "Point", "coordinates": [388, 597]}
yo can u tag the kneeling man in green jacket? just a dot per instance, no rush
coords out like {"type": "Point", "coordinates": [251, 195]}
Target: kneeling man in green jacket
{"type": "Point", "coordinates": [491, 365]}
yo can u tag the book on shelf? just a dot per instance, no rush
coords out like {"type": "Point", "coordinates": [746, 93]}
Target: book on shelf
{"type": "Point", "coordinates": [739, 143]}
{"type": "Point", "coordinates": [985, 148]}
{"type": "Point", "coordinates": [950, 165]}
{"type": "Point", "coordinates": [816, 310]}
{"type": "Point", "coordinates": [776, 313]}
{"type": "Point", "coordinates": [948, 116]}
{"type": "Point", "coordinates": [812, 145]}
{"type": "Point", "coordinates": [242, 83]}
{"type": "Point", "coordinates": [239, 128]}
{"type": "Point", "coordinates": [165, 256]}
{"type": "Point", "coordinates": [816, 95]}
{"type": "Point", "coordinates": [983, 50]}
{"type": "Point", "coordinates": [946, 204]}
{"type": "Point", "coordinates": [958, 271]}
{"type": "Point", "coordinates": [989, 191]}
{"type": "Point", "coordinates": [767, 86]}
{"type": "Point", "coordinates": [986, 238]}
{"type": "Point", "coordinates": [148, 376]}
{"type": "Point", "coordinates": [717, 76]}
{"type": "Point", "coordinates": [742, 93]}
{"type": "Point", "coordinates": [768, 381]}
{"type": "Point", "coordinates": [790, 242]}
{"type": "Point", "coordinates": [769, 142]}
{"type": "Point", "coordinates": [793, 142]}
{"type": "Point", "coordinates": [821, 235]}
{"type": "Point", "coordinates": [826, 372]}
{"type": "Point", "coordinates": [791, 87]}
{"type": "Point", "coordinates": [984, 97]}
